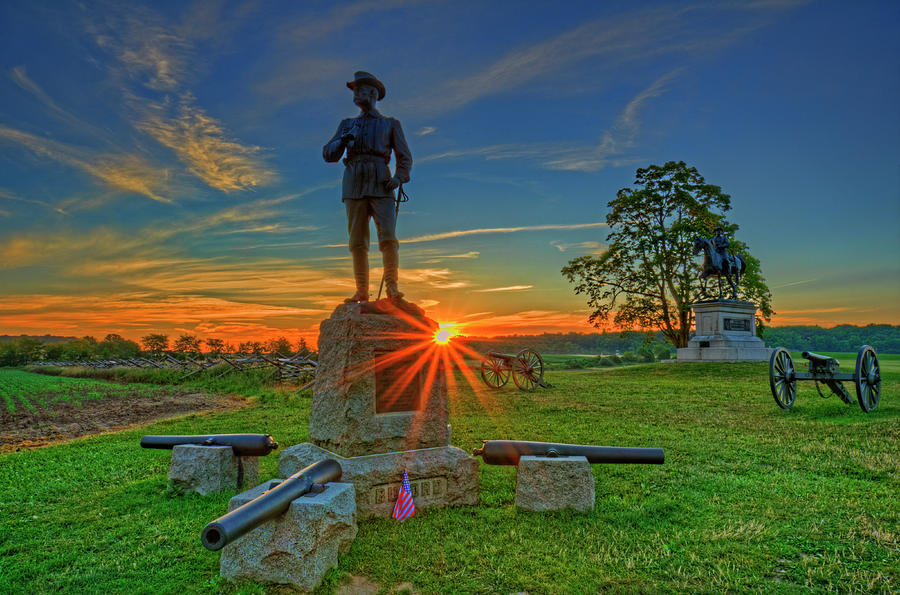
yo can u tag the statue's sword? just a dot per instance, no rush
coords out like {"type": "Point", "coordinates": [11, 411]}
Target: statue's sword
{"type": "Point", "coordinates": [402, 196]}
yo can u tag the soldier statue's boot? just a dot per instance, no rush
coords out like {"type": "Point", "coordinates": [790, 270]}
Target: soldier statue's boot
{"type": "Point", "coordinates": [361, 275]}
{"type": "Point", "coordinates": [391, 260]}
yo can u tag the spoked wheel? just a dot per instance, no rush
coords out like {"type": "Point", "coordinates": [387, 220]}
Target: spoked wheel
{"type": "Point", "coordinates": [528, 369]}
{"type": "Point", "coordinates": [782, 378]}
{"type": "Point", "coordinates": [867, 378]}
{"type": "Point", "coordinates": [494, 372]}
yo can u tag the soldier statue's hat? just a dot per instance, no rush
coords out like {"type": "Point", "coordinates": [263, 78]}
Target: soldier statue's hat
{"type": "Point", "coordinates": [361, 77]}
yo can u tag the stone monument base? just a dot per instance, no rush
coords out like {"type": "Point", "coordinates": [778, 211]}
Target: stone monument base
{"type": "Point", "coordinates": [438, 477]}
{"type": "Point", "coordinates": [208, 469]}
{"type": "Point", "coordinates": [725, 332]}
{"type": "Point", "coordinates": [298, 547]}
{"type": "Point", "coordinates": [554, 483]}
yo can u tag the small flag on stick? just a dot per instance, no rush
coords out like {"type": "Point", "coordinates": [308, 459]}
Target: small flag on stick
{"type": "Point", "coordinates": [405, 507]}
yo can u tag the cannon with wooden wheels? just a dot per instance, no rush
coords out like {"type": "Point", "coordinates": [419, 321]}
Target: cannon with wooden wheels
{"type": "Point", "coordinates": [525, 367]}
{"type": "Point", "coordinates": [823, 369]}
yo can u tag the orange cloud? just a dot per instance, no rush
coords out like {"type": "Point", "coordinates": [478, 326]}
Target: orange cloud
{"type": "Point", "coordinates": [140, 313]}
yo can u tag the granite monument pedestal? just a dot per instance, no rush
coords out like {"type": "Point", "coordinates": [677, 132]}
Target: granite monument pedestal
{"type": "Point", "coordinates": [380, 407]}
{"type": "Point", "coordinates": [725, 331]}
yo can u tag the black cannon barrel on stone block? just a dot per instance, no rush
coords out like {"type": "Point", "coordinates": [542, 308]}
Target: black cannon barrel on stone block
{"type": "Point", "coordinates": [243, 445]}
{"type": "Point", "coordinates": [269, 504]}
{"type": "Point", "coordinates": [508, 452]}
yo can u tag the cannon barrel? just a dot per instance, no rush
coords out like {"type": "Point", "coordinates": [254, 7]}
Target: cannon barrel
{"type": "Point", "coordinates": [508, 452]}
{"type": "Point", "coordinates": [269, 504]}
{"type": "Point", "coordinates": [823, 359]}
{"type": "Point", "coordinates": [243, 445]}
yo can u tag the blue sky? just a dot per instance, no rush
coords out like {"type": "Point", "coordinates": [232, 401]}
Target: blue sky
{"type": "Point", "coordinates": [161, 169]}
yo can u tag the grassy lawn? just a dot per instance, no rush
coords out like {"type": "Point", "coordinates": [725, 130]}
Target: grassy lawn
{"type": "Point", "coordinates": [751, 498]}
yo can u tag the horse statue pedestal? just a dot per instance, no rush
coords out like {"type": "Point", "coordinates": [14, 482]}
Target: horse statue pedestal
{"type": "Point", "coordinates": [725, 331]}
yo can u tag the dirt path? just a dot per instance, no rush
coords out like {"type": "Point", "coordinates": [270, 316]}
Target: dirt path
{"type": "Point", "coordinates": [43, 426]}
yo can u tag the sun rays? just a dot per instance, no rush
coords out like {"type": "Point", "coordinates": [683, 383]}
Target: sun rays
{"type": "Point", "coordinates": [429, 356]}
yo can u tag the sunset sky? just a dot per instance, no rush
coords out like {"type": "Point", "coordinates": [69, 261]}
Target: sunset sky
{"type": "Point", "coordinates": [161, 166]}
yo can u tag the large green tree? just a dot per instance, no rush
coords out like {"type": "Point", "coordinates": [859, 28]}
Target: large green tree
{"type": "Point", "coordinates": [648, 276]}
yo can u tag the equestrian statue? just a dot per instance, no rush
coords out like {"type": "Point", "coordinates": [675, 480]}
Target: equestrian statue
{"type": "Point", "coordinates": [716, 259]}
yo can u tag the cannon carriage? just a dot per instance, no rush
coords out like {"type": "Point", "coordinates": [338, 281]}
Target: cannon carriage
{"type": "Point", "coordinates": [823, 369]}
{"type": "Point", "coordinates": [526, 368]}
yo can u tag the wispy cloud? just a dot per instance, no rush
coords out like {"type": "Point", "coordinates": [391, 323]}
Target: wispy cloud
{"type": "Point", "coordinates": [509, 288]}
{"type": "Point", "coordinates": [465, 255]}
{"type": "Point", "coordinates": [200, 142]}
{"type": "Point", "coordinates": [591, 247]}
{"type": "Point", "coordinates": [532, 321]}
{"type": "Point", "coordinates": [615, 40]}
{"type": "Point", "coordinates": [614, 142]}
{"type": "Point", "coordinates": [160, 58]}
{"type": "Point", "coordinates": [793, 283]}
{"type": "Point", "coordinates": [620, 138]}
{"type": "Point", "coordinates": [491, 230]}
{"type": "Point", "coordinates": [612, 43]}
{"type": "Point", "coordinates": [341, 16]}
{"type": "Point", "coordinates": [814, 310]}
{"type": "Point", "coordinates": [426, 131]}
{"type": "Point", "coordinates": [137, 313]}
{"type": "Point", "coordinates": [20, 77]}
{"type": "Point", "coordinates": [126, 172]}
{"type": "Point", "coordinates": [7, 195]}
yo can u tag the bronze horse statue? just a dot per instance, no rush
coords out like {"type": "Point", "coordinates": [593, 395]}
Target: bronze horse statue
{"type": "Point", "coordinates": [732, 268]}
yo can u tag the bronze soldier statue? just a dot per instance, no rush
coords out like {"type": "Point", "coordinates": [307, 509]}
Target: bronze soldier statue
{"type": "Point", "coordinates": [720, 242]}
{"type": "Point", "coordinates": [368, 187]}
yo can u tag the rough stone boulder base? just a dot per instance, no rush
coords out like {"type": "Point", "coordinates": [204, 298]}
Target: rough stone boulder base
{"type": "Point", "coordinates": [554, 483]}
{"type": "Point", "coordinates": [298, 547]}
{"type": "Point", "coordinates": [369, 363]}
{"type": "Point", "coordinates": [439, 477]}
{"type": "Point", "coordinates": [208, 469]}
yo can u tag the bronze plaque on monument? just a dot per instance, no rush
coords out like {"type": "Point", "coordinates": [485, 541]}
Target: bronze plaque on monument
{"type": "Point", "coordinates": [395, 390]}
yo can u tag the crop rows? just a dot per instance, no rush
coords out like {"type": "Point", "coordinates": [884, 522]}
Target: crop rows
{"type": "Point", "coordinates": [23, 389]}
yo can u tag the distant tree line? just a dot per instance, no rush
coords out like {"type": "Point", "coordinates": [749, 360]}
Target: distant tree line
{"type": "Point", "coordinates": [845, 338]}
{"type": "Point", "coordinates": [22, 350]}
{"type": "Point", "coordinates": [571, 343]}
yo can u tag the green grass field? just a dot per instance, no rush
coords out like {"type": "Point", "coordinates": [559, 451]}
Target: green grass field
{"type": "Point", "coordinates": [29, 391]}
{"type": "Point", "coordinates": [751, 498]}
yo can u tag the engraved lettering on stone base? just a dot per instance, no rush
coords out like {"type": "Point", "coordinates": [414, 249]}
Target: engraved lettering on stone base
{"type": "Point", "coordinates": [426, 488]}
{"type": "Point", "coordinates": [737, 324]}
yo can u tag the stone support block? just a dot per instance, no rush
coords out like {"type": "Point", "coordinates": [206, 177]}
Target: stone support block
{"type": "Point", "coordinates": [554, 483]}
{"type": "Point", "coordinates": [208, 469]}
{"type": "Point", "coordinates": [298, 547]}
{"type": "Point", "coordinates": [438, 477]}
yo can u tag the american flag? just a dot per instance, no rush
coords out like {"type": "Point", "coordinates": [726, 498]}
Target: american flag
{"type": "Point", "coordinates": [405, 507]}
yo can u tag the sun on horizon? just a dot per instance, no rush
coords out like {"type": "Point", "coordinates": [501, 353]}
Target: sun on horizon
{"type": "Point", "coordinates": [445, 332]}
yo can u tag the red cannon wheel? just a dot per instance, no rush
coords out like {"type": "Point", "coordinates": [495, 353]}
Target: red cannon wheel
{"type": "Point", "coordinates": [528, 369]}
{"type": "Point", "coordinates": [494, 372]}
